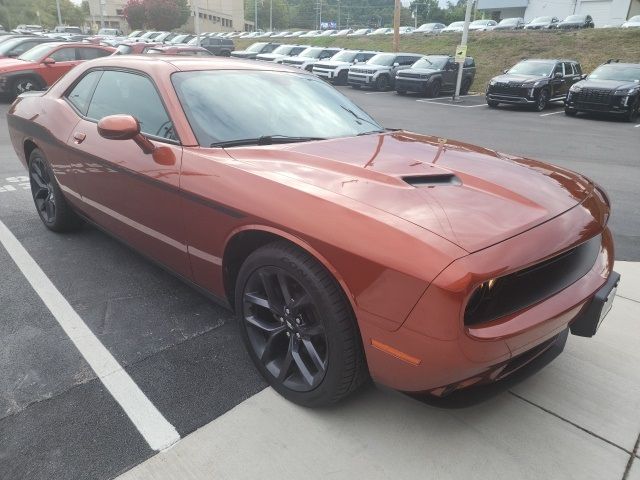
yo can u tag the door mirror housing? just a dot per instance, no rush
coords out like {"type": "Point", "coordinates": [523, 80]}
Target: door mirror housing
{"type": "Point", "coordinates": [557, 75]}
{"type": "Point", "coordinates": [124, 127]}
{"type": "Point", "coordinates": [506, 70]}
{"type": "Point", "coordinates": [396, 64]}
{"type": "Point", "coordinates": [48, 61]}
{"type": "Point", "coordinates": [583, 76]}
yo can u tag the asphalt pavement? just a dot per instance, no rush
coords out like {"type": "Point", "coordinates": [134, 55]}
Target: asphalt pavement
{"type": "Point", "coordinates": [575, 418]}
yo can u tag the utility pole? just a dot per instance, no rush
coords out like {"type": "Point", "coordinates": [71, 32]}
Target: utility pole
{"type": "Point", "coordinates": [271, 16]}
{"type": "Point", "coordinates": [196, 22]}
{"type": "Point", "coordinates": [396, 26]}
{"type": "Point", "coordinates": [461, 51]}
{"type": "Point", "coordinates": [255, 23]}
{"type": "Point", "coordinates": [415, 15]}
{"type": "Point", "coordinates": [320, 17]}
{"type": "Point", "coordinates": [59, 15]}
{"type": "Point", "coordinates": [338, 15]}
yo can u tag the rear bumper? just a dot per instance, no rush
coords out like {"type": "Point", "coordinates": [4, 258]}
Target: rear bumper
{"type": "Point", "coordinates": [439, 354]}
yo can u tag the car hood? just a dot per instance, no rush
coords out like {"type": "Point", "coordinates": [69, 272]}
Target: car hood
{"type": "Point", "coordinates": [421, 71]}
{"type": "Point", "coordinates": [367, 66]}
{"type": "Point", "coordinates": [13, 64]}
{"type": "Point", "coordinates": [243, 53]}
{"type": "Point", "coordinates": [335, 63]}
{"type": "Point", "coordinates": [608, 84]}
{"type": "Point", "coordinates": [471, 196]}
{"type": "Point", "coordinates": [515, 78]}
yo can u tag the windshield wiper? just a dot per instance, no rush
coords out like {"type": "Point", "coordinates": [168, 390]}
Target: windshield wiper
{"type": "Point", "coordinates": [358, 117]}
{"type": "Point", "coordinates": [264, 140]}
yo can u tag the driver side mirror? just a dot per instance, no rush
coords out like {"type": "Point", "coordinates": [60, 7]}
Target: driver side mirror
{"type": "Point", "coordinates": [505, 70]}
{"type": "Point", "coordinates": [48, 61]}
{"type": "Point", "coordinates": [583, 76]}
{"type": "Point", "coordinates": [396, 64]}
{"type": "Point", "coordinates": [124, 127]}
{"type": "Point", "coordinates": [557, 75]}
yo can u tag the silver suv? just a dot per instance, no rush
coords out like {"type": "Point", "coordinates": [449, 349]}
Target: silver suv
{"type": "Point", "coordinates": [309, 57]}
{"type": "Point", "coordinates": [336, 69]}
{"type": "Point", "coordinates": [381, 70]}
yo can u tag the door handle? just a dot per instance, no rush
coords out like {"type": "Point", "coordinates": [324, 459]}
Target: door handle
{"type": "Point", "coordinates": [78, 137]}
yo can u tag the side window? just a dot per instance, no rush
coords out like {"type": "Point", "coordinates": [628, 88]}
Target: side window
{"type": "Point", "coordinates": [577, 68]}
{"type": "Point", "coordinates": [410, 60]}
{"type": "Point", "coordinates": [87, 53]}
{"type": "Point", "coordinates": [64, 55]}
{"type": "Point", "coordinates": [80, 95]}
{"type": "Point", "coordinates": [327, 54]}
{"type": "Point", "coordinates": [23, 47]}
{"type": "Point", "coordinates": [131, 94]}
{"type": "Point", "coordinates": [362, 57]}
{"type": "Point", "coordinates": [568, 69]}
{"type": "Point", "coordinates": [558, 69]}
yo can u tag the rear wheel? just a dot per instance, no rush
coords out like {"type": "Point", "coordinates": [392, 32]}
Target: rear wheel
{"type": "Point", "coordinates": [298, 326]}
{"type": "Point", "coordinates": [25, 84]}
{"type": "Point", "coordinates": [54, 211]}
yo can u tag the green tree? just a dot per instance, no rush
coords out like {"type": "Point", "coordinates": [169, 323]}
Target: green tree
{"type": "Point", "coordinates": [428, 11]}
{"type": "Point", "coordinates": [166, 14]}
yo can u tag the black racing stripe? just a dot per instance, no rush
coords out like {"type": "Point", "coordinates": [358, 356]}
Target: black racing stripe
{"type": "Point", "coordinates": [38, 132]}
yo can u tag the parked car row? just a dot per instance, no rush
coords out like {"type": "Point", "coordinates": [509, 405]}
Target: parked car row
{"type": "Point", "coordinates": [612, 88]}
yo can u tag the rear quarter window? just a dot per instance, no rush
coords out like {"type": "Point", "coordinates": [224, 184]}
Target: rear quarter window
{"type": "Point", "coordinates": [80, 95]}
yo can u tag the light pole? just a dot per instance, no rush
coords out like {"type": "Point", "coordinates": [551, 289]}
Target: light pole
{"type": "Point", "coordinates": [271, 16]}
{"type": "Point", "coordinates": [196, 21]}
{"type": "Point", "coordinates": [59, 15]}
{"type": "Point", "coordinates": [255, 23]}
{"type": "Point", "coordinates": [461, 51]}
{"type": "Point", "coordinates": [396, 26]}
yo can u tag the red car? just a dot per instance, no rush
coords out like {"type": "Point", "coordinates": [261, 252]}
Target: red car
{"type": "Point", "coordinates": [180, 50]}
{"type": "Point", "coordinates": [134, 48]}
{"type": "Point", "coordinates": [41, 66]}
{"type": "Point", "coordinates": [345, 250]}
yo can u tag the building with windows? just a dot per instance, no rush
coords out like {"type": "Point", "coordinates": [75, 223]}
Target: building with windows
{"type": "Point", "coordinates": [214, 15]}
{"type": "Point", "coordinates": [603, 12]}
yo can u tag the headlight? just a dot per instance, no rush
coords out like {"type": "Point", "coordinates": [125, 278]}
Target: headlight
{"type": "Point", "coordinates": [492, 82]}
{"type": "Point", "coordinates": [624, 91]}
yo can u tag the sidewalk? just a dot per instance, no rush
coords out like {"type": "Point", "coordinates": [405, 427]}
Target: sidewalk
{"type": "Point", "coordinates": [578, 418]}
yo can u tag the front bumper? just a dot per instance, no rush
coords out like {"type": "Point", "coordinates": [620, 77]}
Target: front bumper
{"type": "Point", "coordinates": [614, 104]}
{"type": "Point", "coordinates": [363, 79]}
{"type": "Point", "coordinates": [411, 84]}
{"type": "Point", "coordinates": [513, 99]}
{"type": "Point", "coordinates": [440, 354]}
{"type": "Point", "coordinates": [327, 74]}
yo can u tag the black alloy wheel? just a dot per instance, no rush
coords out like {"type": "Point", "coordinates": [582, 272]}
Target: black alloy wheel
{"type": "Point", "coordinates": [634, 111]}
{"type": "Point", "coordinates": [284, 329]}
{"type": "Point", "coordinates": [382, 83]}
{"type": "Point", "coordinates": [434, 89]}
{"type": "Point", "coordinates": [298, 326]}
{"type": "Point", "coordinates": [342, 77]}
{"type": "Point", "coordinates": [53, 209]}
{"type": "Point", "coordinates": [570, 112]}
{"type": "Point", "coordinates": [542, 100]}
{"type": "Point", "coordinates": [493, 103]}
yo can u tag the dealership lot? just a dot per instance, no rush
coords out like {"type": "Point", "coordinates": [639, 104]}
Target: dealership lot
{"type": "Point", "coordinates": [578, 418]}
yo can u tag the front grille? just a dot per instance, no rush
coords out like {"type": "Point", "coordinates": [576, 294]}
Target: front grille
{"type": "Point", "coordinates": [513, 89]}
{"type": "Point", "coordinates": [292, 62]}
{"type": "Point", "coordinates": [408, 75]}
{"type": "Point", "coordinates": [326, 67]}
{"type": "Point", "coordinates": [521, 289]}
{"type": "Point", "coordinates": [600, 96]}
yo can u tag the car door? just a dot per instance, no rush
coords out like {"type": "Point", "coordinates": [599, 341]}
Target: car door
{"type": "Point", "coordinates": [571, 76]}
{"type": "Point", "coordinates": [449, 74]}
{"type": "Point", "coordinates": [64, 60]}
{"type": "Point", "coordinates": [557, 81]}
{"type": "Point", "coordinates": [132, 194]}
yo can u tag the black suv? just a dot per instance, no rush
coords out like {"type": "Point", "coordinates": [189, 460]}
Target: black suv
{"type": "Point", "coordinates": [254, 49]}
{"type": "Point", "coordinates": [611, 88]}
{"type": "Point", "coordinates": [380, 71]}
{"type": "Point", "coordinates": [534, 83]}
{"type": "Point", "coordinates": [434, 74]}
{"type": "Point", "coordinates": [576, 21]}
{"type": "Point", "coordinates": [218, 46]}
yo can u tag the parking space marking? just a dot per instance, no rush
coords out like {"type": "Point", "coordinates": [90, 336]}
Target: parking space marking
{"type": "Point", "coordinates": [636, 126]}
{"type": "Point", "coordinates": [551, 113]}
{"type": "Point", "coordinates": [449, 104]}
{"type": "Point", "coordinates": [151, 424]}
{"type": "Point", "coordinates": [375, 93]}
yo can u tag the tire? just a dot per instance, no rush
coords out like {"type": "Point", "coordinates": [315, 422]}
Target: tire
{"type": "Point", "coordinates": [433, 90]}
{"type": "Point", "coordinates": [382, 83]}
{"type": "Point", "coordinates": [542, 100]}
{"type": "Point", "coordinates": [54, 211]}
{"type": "Point", "coordinates": [25, 84]}
{"type": "Point", "coordinates": [401, 92]}
{"type": "Point", "coordinates": [341, 79]}
{"type": "Point", "coordinates": [634, 112]}
{"type": "Point", "coordinates": [466, 85]}
{"type": "Point", "coordinates": [309, 348]}
{"type": "Point", "coordinates": [356, 87]}
{"type": "Point", "coordinates": [570, 112]}
{"type": "Point", "coordinates": [493, 103]}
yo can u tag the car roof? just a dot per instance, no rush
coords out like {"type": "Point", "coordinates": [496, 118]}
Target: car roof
{"type": "Point", "coordinates": [620, 64]}
{"type": "Point", "coordinates": [550, 60]}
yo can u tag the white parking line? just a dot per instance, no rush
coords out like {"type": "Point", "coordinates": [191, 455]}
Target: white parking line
{"type": "Point", "coordinates": [636, 126]}
{"type": "Point", "coordinates": [450, 104]}
{"type": "Point", "coordinates": [376, 93]}
{"type": "Point", "coordinates": [155, 429]}
{"type": "Point", "coordinates": [552, 113]}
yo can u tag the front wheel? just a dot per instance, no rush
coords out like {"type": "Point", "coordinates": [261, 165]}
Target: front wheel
{"type": "Point", "coordinates": [492, 103]}
{"type": "Point", "coordinates": [466, 85]}
{"type": "Point", "coordinates": [570, 112]}
{"type": "Point", "coordinates": [341, 79]}
{"type": "Point", "coordinates": [298, 326]}
{"type": "Point", "coordinates": [53, 209]}
{"type": "Point", "coordinates": [634, 112]}
{"type": "Point", "coordinates": [434, 89]}
{"type": "Point", "coordinates": [382, 83]}
{"type": "Point", "coordinates": [542, 100]}
{"type": "Point", "coordinates": [24, 84]}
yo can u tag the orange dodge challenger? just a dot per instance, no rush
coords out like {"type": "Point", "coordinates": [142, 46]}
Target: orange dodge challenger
{"type": "Point", "coordinates": [347, 251]}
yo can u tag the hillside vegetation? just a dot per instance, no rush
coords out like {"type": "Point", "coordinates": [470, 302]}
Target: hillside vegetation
{"type": "Point", "coordinates": [495, 51]}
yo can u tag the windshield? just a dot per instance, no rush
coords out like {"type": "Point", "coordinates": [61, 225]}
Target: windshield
{"type": "Point", "coordinates": [541, 20]}
{"type": "Point", "coordinates": [539, 69]}
{"type": "Point", "coordinates": [37, 53]}
{"type": "Point", "coordinates": [431, 61]}
{"type": "Point", "coordinates": [574, 18]}
{"type": "Point", "coordinates": [8, 45]}
{"type": "Point", "coordinates": [616, 72]}
{"type": "Point", "coordinates": [219, 110]}
{"type": "Point", "coordinates": [178, 39]}
{"type": "Point", "coordinates": [311, 52]}
{"type": "Point", "coordinates": [380, 30]}
{"type": "Point", "coordinates": [283, 50]}
{"type": "Point", "coordinates": [344, 56]}
{"type": "Point", "coordinates": [123, 50]}
{"type": "Point", "coordinates": [385, 59]}
{"type": "Point", "coordinates": [256, 47]}
{"type": "Point", "coordinates": [509, 21]}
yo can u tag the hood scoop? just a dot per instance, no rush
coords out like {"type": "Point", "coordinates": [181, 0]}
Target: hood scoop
{"type": "Point", "coordinates": [432, 180]}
